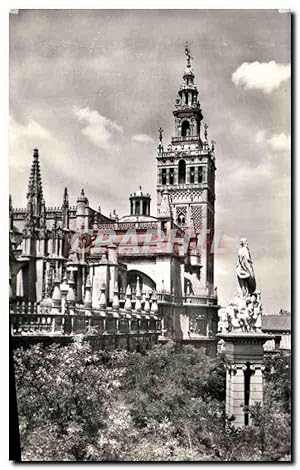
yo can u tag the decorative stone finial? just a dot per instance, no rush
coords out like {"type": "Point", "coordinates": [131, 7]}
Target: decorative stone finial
{"type": "Point", "coordinates": [65, 198]}
{"type": "Point", "coordinates": [56, 295]}
{"type": "Point", "coordinates": [138, 296]}
{"type": "Point", "coordinates": [71, 292]}
{"type": "Point", "coordinates": [116, 302]}
{"type": "Point", "coordinates": [154, 306]}
{"type": "Point", "coordinates": [88, 294]}
{"type": "Point", "coordinates": [147, 303]}
{"type": "Point", "coordinates": [127, 305]}
{"type": "Point", "coordinates": [102, 299]}
{"type": "Point", "coordinates": [205, 131]}
{"type": "Point", "coordinates": [160, 133]}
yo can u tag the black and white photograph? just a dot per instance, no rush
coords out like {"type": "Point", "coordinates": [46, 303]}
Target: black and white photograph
{"type": "Point", "coordinates": [150, 299]}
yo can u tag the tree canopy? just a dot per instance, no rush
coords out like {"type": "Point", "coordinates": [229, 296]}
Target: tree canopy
{"type": "Point", "coordinates": [168, 404]}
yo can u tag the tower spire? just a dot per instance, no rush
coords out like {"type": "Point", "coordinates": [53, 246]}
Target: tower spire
{"type": "Point", "coordinates": [65, 209]}
{"type": "Point", "coordinates": [35, 199]}
{"type": "Point", "coordinates": [188, 113]}
{"type": "Point", "coordinates": [11, 214]}
{"type": "Point", "coordinates": [35, 188]}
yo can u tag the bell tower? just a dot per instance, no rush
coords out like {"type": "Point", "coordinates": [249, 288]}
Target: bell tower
{"type": "Point", "coordinates": [186, 169]}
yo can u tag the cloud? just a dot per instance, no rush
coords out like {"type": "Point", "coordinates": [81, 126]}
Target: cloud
{"type": "Point", "coordinates": [97, 128]}
{"type": "Point", "coordinates": [23, 138]}
{"type": "Point", "coordinates": [142, 139]}
{"type": "Point", "coordinates": [277, 142]}
{"type": "Point", "coordinates": [260, 137]}
{"type": "Point", "coordinates": [280, 142]}
{"type": "Point", "coordinates": [30, 130]}
{"type": "Point", "coordinates": [264, 76]}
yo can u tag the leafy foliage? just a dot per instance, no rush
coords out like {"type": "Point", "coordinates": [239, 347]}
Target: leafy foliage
{"type": "Point", "coordinates": [165, 405]}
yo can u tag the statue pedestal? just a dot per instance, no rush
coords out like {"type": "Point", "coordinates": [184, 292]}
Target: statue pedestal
{"type": "Point", "coordinates": [244, 355]}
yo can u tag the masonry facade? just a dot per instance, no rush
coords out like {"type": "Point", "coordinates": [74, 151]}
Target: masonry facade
{"type": "Point", "coordinates": [52, 248]}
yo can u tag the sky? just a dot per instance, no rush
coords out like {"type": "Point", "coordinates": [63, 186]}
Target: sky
{"type": "Point", "coordinates": [91, 88]}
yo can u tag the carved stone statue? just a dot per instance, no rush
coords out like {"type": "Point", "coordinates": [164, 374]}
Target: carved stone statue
{"type": "Point", "coordinates": [243, 313]}
{"type": "Point", "coordinates": [244, 269]}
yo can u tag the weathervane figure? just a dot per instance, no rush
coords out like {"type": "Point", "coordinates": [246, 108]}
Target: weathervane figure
{"type": "Point", "coordinates": [188, 54]}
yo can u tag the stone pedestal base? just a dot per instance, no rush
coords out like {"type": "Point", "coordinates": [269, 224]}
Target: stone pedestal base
{"type": "Point", "coordinates": [244, 355]}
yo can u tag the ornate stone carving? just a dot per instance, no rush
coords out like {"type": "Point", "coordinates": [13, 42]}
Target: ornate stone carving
{"type": "Point", "coordinates": [244, 312]}
{"type": "Point", "coordinates": [244, 269]}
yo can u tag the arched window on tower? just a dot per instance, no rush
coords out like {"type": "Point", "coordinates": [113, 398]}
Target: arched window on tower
{"type": "Point", "coordinates": [185, 129]}
{"type": "Point", "coordinates": [181, 172]}
{"type": "Point", "coordinates": [181, 219]}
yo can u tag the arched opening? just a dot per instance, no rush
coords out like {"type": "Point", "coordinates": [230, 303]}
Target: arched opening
{"type": "Point", "coordinates": [185, 129]}
{"type": "Point", "coordinates": [180, 219]}
{"type": "Point", "coordinates": [146, 283]}
{"type": "Point", "coordinates": [181, 172]}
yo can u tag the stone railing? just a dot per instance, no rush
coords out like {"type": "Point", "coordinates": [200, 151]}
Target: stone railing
{"type": "Point", "coordinates": [28, 319]}
{"type": "Point", "coordinates": [186, 299]}
{"type": "Point", "coordinates": [190, 138]}
{"type": "Point", "coordinates": [168, 297]}
{"type": "Point", "coordinates": [200, 300]}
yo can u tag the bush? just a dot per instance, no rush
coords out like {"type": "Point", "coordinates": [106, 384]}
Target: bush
{"type": "Point", "coordinates": [165, 405]}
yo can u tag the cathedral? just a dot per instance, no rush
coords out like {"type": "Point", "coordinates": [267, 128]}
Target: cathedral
{"type": "Point", "coordinates": [169, 254]}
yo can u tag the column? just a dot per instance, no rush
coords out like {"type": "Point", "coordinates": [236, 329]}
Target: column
{"type": "Point", "coordinates": [236, 402]}
{"type": "Point", "coordinates": [256, 385]}
{"type": "Point", "coordinates": [167, 175]}
{"type": "Point", "coordinates": [196, 174]}
{"type": "Point", "coordinates": [188, 174]}
{"type": "Point", "coordinates": [228, 389]}
{"type": "Point", "coordinates": [175, 175]}
{"type": "Point", "coordinates": [160, 176]}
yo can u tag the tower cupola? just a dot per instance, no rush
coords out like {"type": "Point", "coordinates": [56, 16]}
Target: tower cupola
{"type": "Point", "coordinates": [140, 203]}
{"type": "Point", "coordinates": [188, 113]}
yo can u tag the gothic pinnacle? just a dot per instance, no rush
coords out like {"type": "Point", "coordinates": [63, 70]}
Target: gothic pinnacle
{"type": "Point", "coordinates": [160, 133]}
{"type": "Point", "coordinates": [66, 196]}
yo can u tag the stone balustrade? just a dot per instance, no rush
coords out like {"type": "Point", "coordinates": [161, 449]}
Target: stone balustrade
{"type": "Point", "coordinates": [28, 319]}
